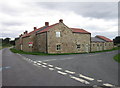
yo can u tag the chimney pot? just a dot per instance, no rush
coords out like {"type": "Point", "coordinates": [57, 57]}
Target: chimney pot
{"type": "Point", "coordinates": [20, 35]}
{"type": "Point", "coordinates": [61, 20]}
{"type": "Point", "coordinates": [26, 32]}
{"type": "Point", "coordinates": [46, 23]}
{"type": "Point", "coordinates": [35, 28]}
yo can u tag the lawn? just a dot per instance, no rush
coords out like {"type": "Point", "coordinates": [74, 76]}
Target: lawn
{"type": "Point", "coordinates": [38, 53]}
{"type": "Point", "coordinates": [117, 57]}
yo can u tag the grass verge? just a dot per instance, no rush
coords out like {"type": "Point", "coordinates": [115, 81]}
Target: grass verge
{"type": "Point", "coordinates": [117, 57]}
{"type": "Point", "coordinates": [38, 53]}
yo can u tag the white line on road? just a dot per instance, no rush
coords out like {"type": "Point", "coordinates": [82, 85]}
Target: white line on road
{"type": "Point", "coordinates": [50, 65]}
{"type": "Point", "coordinates": [107, 84]}
{"type": "Point", "coordinates": [38, 64]}
{"type": "Point", "coordinates": [69, 72]}
{"type": "Point", "coordinates": [78, 79]}
{"type": "Point", "coordinates": [51, 69]}
{"type": "Point", "coordinates": [35, 62]}
{"type": "Point", "coordinates": [40, 61]}
{"type": "Point", "coordinates": [63, 73]}
{"type": "Point", "coordinates": [50, 60]}
{"type": "Point", "coordinates": [44, 66]}
{"type": "Point", "coordinates": [85, 77]}
{"type": "Point", "coordinates": [99, 80]}
{"type": "Point", "coordinates": [44, 63]}
{"type": "Point", "coordinates": [58, 68]}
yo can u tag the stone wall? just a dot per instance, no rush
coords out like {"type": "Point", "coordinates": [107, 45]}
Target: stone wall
{"type": "Point", "coordinates": [67, 40]}
{"type": "Point", "coordinates": [97, 46]}
{"type": "Point", "coordinates": [41, 42]}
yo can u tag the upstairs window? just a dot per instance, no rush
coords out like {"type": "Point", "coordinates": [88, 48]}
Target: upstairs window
{"type": "Point", "coordinates": [78, 46]}
{"type": "Point", "coordinates": [58, 47]}
{"type": "Point", "coordinates": [57, 34]}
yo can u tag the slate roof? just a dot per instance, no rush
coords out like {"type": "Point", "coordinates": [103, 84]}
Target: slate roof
{"type": "Point", "coordinates": [104, 38]}
{"type": "Point", "coordinates": [77, 30]}
{"type": "Point", "coordinates": [94, 39]}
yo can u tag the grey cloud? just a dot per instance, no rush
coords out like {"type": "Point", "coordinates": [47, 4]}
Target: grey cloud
{"type": "Point", "coordinates": [11, 23]}
{"type": "Point", "coordinates": [105, 10]}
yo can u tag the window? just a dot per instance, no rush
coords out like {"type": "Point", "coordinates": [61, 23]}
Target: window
{"type": "Point", "coordinates": [97, 44]}
{"type": "Point", "coordinates": [58, 47]}
{"type": "Point", "coordinates": [105, 44]}
{"type": "Point", "coordinates": [78, 46]}
{"type": "Point", "coordinates": [57, 34]}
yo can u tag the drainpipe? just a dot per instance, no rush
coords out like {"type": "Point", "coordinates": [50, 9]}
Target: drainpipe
{"type": "Point", "coordinates": [46, 44]}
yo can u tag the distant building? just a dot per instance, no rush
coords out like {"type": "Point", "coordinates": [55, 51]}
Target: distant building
{"type": "Point", "coordinates": [59, 38]}
{"type": "Point", "coordinates": [99, 43]}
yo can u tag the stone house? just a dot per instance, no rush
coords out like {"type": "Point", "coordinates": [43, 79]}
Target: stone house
{"type": "Point", "coordinates": [56, 38]}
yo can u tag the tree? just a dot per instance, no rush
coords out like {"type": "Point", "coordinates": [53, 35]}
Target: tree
{"type": "Point", "coordinates": [116, 40]}
{"type": "Point", "coordinates": [6, 40]}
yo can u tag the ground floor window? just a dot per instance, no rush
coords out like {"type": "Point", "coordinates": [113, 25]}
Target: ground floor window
{"type": "Point", "coordinates": [58, 47]}
{"type": "Point", "coordinates": [78, 46]}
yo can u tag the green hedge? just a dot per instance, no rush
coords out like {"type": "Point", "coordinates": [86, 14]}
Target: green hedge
{"type": "Point", "coordinates": [117, 57]}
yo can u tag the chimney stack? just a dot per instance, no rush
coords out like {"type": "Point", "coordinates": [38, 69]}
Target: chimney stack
{"type": "Point", "coordinates": [20, 35]}
{"type": "Point", "coordinates": [46, 23]}
{"type": "Point", "coordinates": [35, 28]}
{"type": "Point", "coordinates": [61, 21]}
{"type": "Point", "coordinates": [26, 32]}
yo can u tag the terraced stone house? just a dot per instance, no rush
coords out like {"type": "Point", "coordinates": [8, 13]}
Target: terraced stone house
{"type": "Point", "coordinates": [57, 38]}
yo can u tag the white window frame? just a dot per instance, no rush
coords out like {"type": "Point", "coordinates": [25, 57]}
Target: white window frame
{"type": "Point", "coordinates": [57, 34]}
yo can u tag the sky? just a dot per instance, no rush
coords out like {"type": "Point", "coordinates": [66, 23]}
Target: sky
{"type": "Point", "coordinates": [99, 18]}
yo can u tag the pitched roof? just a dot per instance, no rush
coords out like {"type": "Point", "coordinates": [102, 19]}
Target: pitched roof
{"type": "Point", "coordinates": [28, 34]}
{"type": "Point", "coordinates": [77, 30]}
{"type": "Point", "coordinates": [95, 39]}
{"type": "Point", "coordinates": [104, 38]}
{"type": "Point", "coordinates": [47, 28]}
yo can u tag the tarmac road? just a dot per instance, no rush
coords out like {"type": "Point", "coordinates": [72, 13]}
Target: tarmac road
{"type": "Point", "coordinates": [97, 69]}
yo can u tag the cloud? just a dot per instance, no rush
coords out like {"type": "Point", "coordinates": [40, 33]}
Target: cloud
{"type": "Point", "coordinates": [97, 18]}
{"type": "Point", "coordinates": [88, 9]}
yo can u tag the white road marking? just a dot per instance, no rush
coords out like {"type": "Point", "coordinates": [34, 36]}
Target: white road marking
{"type": "Point", "coordinates": [58, 68]}
{"type": "Point", "coordinates": [99, 80]}
{"type": "Point", "coordinates": [50, 65]}
{"type": "Point", "coordinates": [58, 59]}
{"type": "Point", "coordinates": [44, 66]}
{"type": "Point", "coordinates": [51, 69]}
{"type": "Point", "coordinates": [40, 61]}
{"type": "Point", "coordinates": [63, 73]}
{"type": "Point", "coordinates": [69, 72]}
{"type": "Point", "coordinates": [78, 79]}
{"type": "Point", "coordinates": [44, 63]}
{"type": "Point", "coordinates": [107, 84]}
{"type": "Point", "coordinates": [38, 64]}
{"type": "Point", "coordinates": [35, 62]}
{"type": "Point", "coordinates": [85, 77]}
{"type": "Point", "coordinates": [50, 60]}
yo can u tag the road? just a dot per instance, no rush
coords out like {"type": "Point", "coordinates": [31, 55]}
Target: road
{"type": "Point", "coordinates": [97, 69]}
